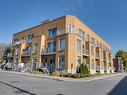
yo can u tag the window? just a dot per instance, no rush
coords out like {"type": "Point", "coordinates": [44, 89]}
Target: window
{"type": "Point", "coordinates": [51, 47]}
{"type": "Point", "coordinates": [61, 62]}
{"type": "Point", "coordinates": [29, 50]}
{"type": "Point", "coordinates": [62, 44]}
{"type": "Point", "coordinates": [92, 40]}
{"type": "Point", "coordinates": [52, 32]}
{"type": "Point", "coordinates": [81, 33]}
{"type": "Point", "coordinates": [100, 45]}
{"type": "Point", "coordinates": [30, 37]}
{"type": "Point", "coordinates": [16, 51]}
{"type": "Point", "coordinates": [35, 47]}
{"type": "Point", "coordinates": [78, 61]}
{"type": "Point", "coordinates": [16, 41]}
{"type": "Point", "coordinates": [70, 28]}
{"type": "Point", "coordinates": [88, 38]}
{"type": "Point", "coordinates": [78, 45]}
{"type": "Point", "coordinates": [97, 43]}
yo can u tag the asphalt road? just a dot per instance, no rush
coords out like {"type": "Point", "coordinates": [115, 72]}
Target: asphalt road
{"type": "Point", "coordinates": [14, 84]}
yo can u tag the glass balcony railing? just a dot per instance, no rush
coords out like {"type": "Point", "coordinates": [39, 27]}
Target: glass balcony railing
{"type": "Point", "coordinates": [29, 41]}
{"type": "Point", "coordinates": [97, 56]}
{"type": "Point", "coordinates": [18, 42]}
{"type": "Point", "coordinates": [10, 54]}
{"type": "Point", "coordinates": [26, 53]}
{"type": "Point", "coordinates": [48, 51]}
{"type": "Point", "coordinates": [86, 52]}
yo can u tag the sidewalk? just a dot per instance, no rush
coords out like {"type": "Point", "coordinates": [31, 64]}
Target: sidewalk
{"type": "Point", "coordinates": [87, 79]}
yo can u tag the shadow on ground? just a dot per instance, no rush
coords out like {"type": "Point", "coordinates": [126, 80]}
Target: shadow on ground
{"type": "Point", "coordinates": [19, 90]}
{"type": "Point", "coordinates": [120, 88]}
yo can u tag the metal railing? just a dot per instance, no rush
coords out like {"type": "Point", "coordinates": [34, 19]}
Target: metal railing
{"type": "Point", "coordinates": [97, 55]}
{"type": "Point", "coordinates": [19, 42]}
{"type": "Point", "coordinates": [25, 53]}
{"type": "Point", "coordinates": [86, 52]}
{"type": "Point", "coordinates": [45, 51]}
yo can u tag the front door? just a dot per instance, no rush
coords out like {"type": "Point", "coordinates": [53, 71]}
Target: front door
{"type": "Point", "coordinates": [52, 64]}
{"type": "Point", "coordinates": [34, 64]}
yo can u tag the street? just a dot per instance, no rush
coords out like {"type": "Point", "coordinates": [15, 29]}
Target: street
{"type": "Point", "coordinates": [14, 84]}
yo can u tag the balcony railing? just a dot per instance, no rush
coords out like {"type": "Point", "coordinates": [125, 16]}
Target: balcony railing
{"type": "Point", "coordinates": [97, 56]}
{"type": "Point", "coordinates": [61, 32]}
{"type": "Point", "coordinates": [86, 52]}
{"type": "Point", "coordinates": [35, 51]}
{"type": "Point", "coordinates": [25, 53]}
{"type": "Point", "coordinates": [47, 52]}
{"type": "Point", "coordinates": [29, 41]}
{"type": "Point", "coordinates": [18, 42]}
{"type": "Point", "coordinates": [10, 55]}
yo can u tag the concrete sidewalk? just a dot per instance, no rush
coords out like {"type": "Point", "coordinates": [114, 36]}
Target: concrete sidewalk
{"type": "Point", "coordinates": [86, 79]}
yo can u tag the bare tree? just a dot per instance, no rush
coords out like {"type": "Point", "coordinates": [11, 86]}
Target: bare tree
{"type": "Point", "coordinates": [4, 50]}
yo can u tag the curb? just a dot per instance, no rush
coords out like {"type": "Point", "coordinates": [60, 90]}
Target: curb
{"type": "Point", "coordinates": [87, 79]}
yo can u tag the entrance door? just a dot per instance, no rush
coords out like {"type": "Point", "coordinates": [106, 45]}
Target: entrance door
{"type": "Point", "coordinates": [52, 64]}
{"type": "Point", "coordinates": [34, 64]}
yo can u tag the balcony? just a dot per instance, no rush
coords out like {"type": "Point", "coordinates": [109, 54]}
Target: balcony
{"type": "Point", "coordinates": [18, 42]}
{"type": "Point", "coordinates": [47, 52]}
{"type": "Point", "coordinates": [97, 56]}
{"type": "Point", "coordinates": [29, 41]}
{"type": "Point", "coordinates": [61, 32]}
{"type": "Point", "coordinates": [86, 53]}
{"type": "Point", "coordinates": [10, 55]}
{"type": "Point", "coordinates": [35, 51]}
{"type": "Point", "coordinates": [25, 53]}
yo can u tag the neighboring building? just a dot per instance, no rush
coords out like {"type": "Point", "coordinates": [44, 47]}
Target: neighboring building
{"type": "Point", "coordinates": [62, 44]}
{"type": "Point", "coordinates": [118, 65]}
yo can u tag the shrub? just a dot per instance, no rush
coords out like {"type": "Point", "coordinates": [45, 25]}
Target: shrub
{"type": "Point", "coordinates": [65, 74]}
{"type": "Point", "coordinates": [76, 76]}
{"type": "Point", "coordinates": [83, 69]}
{"type": "Point", "coordinates": [56, 74]}
{"type": "Point", "coordinates": [68, 75]}
{"type": "Point", "coordinates": [62, 74]}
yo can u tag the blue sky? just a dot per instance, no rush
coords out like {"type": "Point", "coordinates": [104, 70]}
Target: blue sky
{"type": "Point", "coordinates": [108, 18]}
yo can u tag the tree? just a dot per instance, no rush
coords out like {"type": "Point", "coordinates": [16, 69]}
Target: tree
{"type": "Point", "coordinates": [4, 50]}
{"type": "Point", "coordinates": [7, 50]}
{"type": "Point", "coordinates": [123, 55]}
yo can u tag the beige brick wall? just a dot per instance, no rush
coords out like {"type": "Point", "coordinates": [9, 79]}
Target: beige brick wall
{"type": "Point", "coordinates": [41, 37]}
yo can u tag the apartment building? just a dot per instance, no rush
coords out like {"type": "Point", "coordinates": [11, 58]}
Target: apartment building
{"type": "Point", "coordinates": [62, 44]}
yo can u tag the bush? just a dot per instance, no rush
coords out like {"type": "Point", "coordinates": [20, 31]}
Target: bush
{"type": "Point", "coordinates": [56, 74]}
{"type": "Point", "coordinates": [62, 74]}
{"type": "Point", "coordinates": [76, 76]}
{"type": "Point", "coordinates": [83, 69]}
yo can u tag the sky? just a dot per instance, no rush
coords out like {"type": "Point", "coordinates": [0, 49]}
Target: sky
{"type": "Point", "coordinates": [108, 18]}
